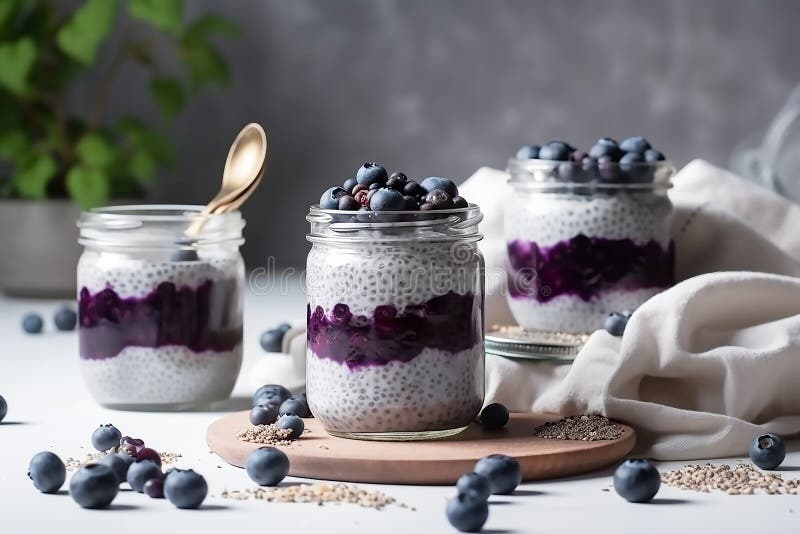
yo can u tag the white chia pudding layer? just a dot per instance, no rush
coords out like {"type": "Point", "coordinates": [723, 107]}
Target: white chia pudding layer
{"type": "Point", "coordinates": [436, 390]}
{"type": "Point", "coordinates": [167, 375]}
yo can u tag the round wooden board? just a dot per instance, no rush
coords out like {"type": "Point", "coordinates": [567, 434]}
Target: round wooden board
{"type": "Point", "coordinates": [319, 455]}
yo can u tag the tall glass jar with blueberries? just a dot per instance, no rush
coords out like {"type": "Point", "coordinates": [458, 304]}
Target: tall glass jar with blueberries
{"type": "Point", "coordinates": [159, 311]}
{"type": "Point", "coordinates": [395, 308]}
{"type": "Point", "coordinates": [587, 234]}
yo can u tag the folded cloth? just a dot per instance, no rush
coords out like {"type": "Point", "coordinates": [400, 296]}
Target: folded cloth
{"type": "Point", "coordinates": [702, 367]}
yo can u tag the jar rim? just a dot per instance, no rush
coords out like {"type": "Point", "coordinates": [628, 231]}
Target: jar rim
{"type": "Point", "coordinates": [544, 174]}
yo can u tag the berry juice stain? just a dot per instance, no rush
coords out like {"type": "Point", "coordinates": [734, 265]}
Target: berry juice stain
{"type": "Point", "coordinates": [585, 267]}
{"type": "Point", "coordinates": [450, 322]}
{"type": "Point", "coordinates": [202, 319]}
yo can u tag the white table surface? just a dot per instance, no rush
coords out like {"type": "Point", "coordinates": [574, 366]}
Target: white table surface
{"type": "Point", "coordinates": [49, 409]}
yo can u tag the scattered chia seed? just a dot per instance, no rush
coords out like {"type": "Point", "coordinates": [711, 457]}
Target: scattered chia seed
{"type": "Point", "coordinates": [590, 427]}
{"type": "Point", "coordinates": [266, 434]}
{"type": "Point", "coordinates": [76, 463]}
{"type": "Point", "coordinates": [317, 493]}
{"type": "Point", "coordinates": [742, 479]}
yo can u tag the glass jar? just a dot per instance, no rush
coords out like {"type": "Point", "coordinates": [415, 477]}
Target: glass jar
{"type": "Point", "coordinates": [159, 313]}
{"type": "Point", "coordinates": [583, 242]}
{"type": "Point", "coordinates": [395, 322]}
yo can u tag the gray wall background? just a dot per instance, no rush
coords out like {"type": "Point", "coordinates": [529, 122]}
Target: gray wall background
{"type": "Point", "coordinates": [444, 87]}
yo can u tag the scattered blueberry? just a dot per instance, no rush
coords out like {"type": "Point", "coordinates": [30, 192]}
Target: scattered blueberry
{"type": "Point", "coordinates": [272, 340]}
{"type": "Point", "coordinates": [555, 151]}
{"type": "Point", "coordinates": [293, 423]}
{"type": "Point", "coordinates": [94, 486]}
{"type": "Point", "coordinates": [330, 198]}
{"type": "Point", "coordinates": [387, 200]}
{"type": "Point", "coordinates": [106, 437]}
{"type": "Point", "coordinates": [476, 483]}
{"type": "Point", "coordinates": [146, 453]}
{"type": "Point", "coordinates": [768, 451]}
{"type": "Point", "coordinates": [494, 415]}
{"type": "Point", "coordinates": [154, 488]}
{"type": "Point", "coordinates": [264, 414]}
{"type": "Point", "coordinates": [445, 184]}
{"type": "Point", "coordinates": [295, 406]}
{"type": "Point", "coordinates": [271, 394]}
{"type": "Point", "coordinates": [140, 472]}
{"type": "Point", "coordinates": [467, 513]}
{"type": "Point", "coordinates": [637, 480]}
{"type": "Point", "coordinates": [47, 471]}
{"type": "Point", "coordinates": [185, 489]}
{"type": "Point", "coordinates": [528, 152]}
{"type": "Point", "coordinates": [118, 463]}
{"type": "Point", "coordinates": [32, 323]}
{"type": "Point", "coordinates": [652, 156]}
{"type": "Point", "coordinates": [267, 466]}
{"type": "Point", "coordinates": [3, 408]}
{"type": "Point", "coordinates": [635, 144]}
{"type": "Point", "coordinates": [65, 319]}
{"type": "Point", "coordinates": [615, 323]}
{"type": "Point", "coordinates": [349, 184]}
{"type": "Point", "coordinates": [503, 472]}
{"type": "Point", "coordinates": [370, 173]}
{"type": "Point", "coordinates": [348, 203]}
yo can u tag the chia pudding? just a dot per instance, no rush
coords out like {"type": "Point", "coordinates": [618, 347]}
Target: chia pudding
{"type": "Point", "coordinates": [395, 321]}
{"type": "Point", "coordinates": [160, 323]}
{"type": "Point", "coordinates": [587, 236]}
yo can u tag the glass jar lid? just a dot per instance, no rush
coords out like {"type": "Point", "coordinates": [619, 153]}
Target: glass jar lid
{"type": "Point", "coordinates": [516, 343]}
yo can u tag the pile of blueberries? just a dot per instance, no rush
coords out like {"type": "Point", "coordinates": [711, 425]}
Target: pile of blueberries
{"type": "Point", "coordinates": [276, 404]}
{"type": "Point", "coordinates": [631, 160]}
{"type": "Point", "coordinates": [96, 484]}
{"type": "Point", "coordinates": [373, 189]}
{"type": "Point", "coordinates": [64, 319]}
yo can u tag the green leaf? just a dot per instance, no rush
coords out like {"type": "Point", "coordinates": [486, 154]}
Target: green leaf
{"type": "Point", "coordinates": [87, 186]}
{"type": "Point", "coordinates": [31, 178]}
{"type": "Point", "coordinates": [86, 29]}
{"type": "Point", "coordinates": [17, 59]}
{"type": "Point", "coordinates": [13, 145]}
{"type": "Point", "coordinates": [7, 8]}
{"type": "Point", "coordinates": [166, 15]}
{"type": "Point", "coordinates": [209, 25]}
{"type": "Point", "coordinates": [168, 93]}
{"type": "Point", "coordinates": [96, 151]}
{"type": "Point", "coordinates": [142, 166]}
{"type": "Point", "coordinates": [205, 64]}
{"type": "Point", "coordinates": [139, 135]}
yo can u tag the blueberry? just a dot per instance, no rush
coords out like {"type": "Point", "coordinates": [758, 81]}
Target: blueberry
{"type": "Point", "coordinates": [295, 406]}
{"type": "Point", "coordinates": [494, 415]}
{"type": "Point", "coordinates": [615, 323]}
{"type": "Point", "coordinates": [445, 184]}
{"type": "Point", "coordinates": [140, 472]}
{"type": "Point", "coordinates": [185, 489]}
{"type": "Point", "coordinates": [476, 483]}
{"type": "Point", "coordinates": [118, 463]}
{"type": "Point", "coordinates": [131, 445]}
{"type": "Point", "coordinates": [349, 184]}
{"type": "Point", "coordinates": [271, 394]}
{"type": "Point", "coordinates": [370, 173]}
{"type": "Point", "coordinates": [65, 319]}
{"type": "Point", "coordinates": [32, 323]}
{"type": "Point", "coordinates": [635, 144]}
{"type": "Point", "coordinates": [264, 414]}
{"type": "Point", "coordinates": [467, 513]}
{"type": "Point", "coordinates": [184, 254]}
{"type": "Point", "coordinates": [272, 340]}
{"type": "Point", "coordinates": [374, 185]}
{"type": "Point", "coordinates": [568, 171]}
{"type": "Point", "coordinates": [555, 151]}
{"type": "Point", "coordinates": [768, 451]}
{"type": "Point", "coordinates": [267, 466]}
{"type": "Point", "coordinates": [412, 204]}
{"type": "Point", "coordinates": [348, 203]}
{"type": "Point", "coordinates": [460, 202]}
{"type": "Point", "coordinates": [605, 147]}
{"type": "Point", "coordinates": [94, 486]}
{"type": "Point", "coordinates": [439, 199]}
{"type": "Point", "coordinates": [637, 481]}
{"type": "Point", "coordinates": [146, 453]}
{"type": "Point", "coordinates": [47, 471]}
{"type": "Point", "coordinates": [154, 488]}
{"type": "Point", "coordinates": [330, 198]}
{"type": "Point", "coordinates": [3, 408]}
{"type": "Point", "coordinates": [413, 189]}
{"type": "Point", "coordinates": [608, 169]}
{"type": "Point", "coordinates": [528, 152]}
{"type": "Point", "coordinates": [578, 156]}
{"type": "Point", "coordinates": [360, 187]}
{"type": "Point", "coordinates": [106, 437]}
{"type": "Point", "coordinates": [284, 327]}
{"type": "Point", "coordinates": [293, 423]}
{"type": "Point", "coordinates": [631, 165]}
{"type": "Point", "coordinates": [397, 181]}
{"type": "Point", "coordinates": [387, 200]}
{"type": "Point", "coordinates": [503, 472]}
{"type": "Point", "coordinates": [652, 156]}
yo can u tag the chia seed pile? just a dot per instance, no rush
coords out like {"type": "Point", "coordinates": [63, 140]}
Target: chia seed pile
{"type": "Point", "coordinates": [266, 434]}
{"type": "Point", "coordinates": [320, 494]}
{"type": "Point", "coordinates": [590, 427]}
{"type": "Point", "coordinates": [742, 479]}
{"type": "Point", "coordinates": [72, 464]}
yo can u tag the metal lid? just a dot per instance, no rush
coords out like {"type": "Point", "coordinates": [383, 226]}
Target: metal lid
{"type": "Point", "coordinates": [515, 342]}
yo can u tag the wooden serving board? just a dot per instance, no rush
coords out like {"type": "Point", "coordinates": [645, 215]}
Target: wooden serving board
{"type": "Point", "coordinates": [319, 455]}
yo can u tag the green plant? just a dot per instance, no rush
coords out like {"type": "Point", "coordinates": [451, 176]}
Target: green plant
{"type": "Point", "coordinates": [48, 150]}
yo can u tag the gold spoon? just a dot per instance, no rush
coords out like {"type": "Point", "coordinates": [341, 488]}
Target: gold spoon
{"type": "Point", "coordinates": [243, 170]}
